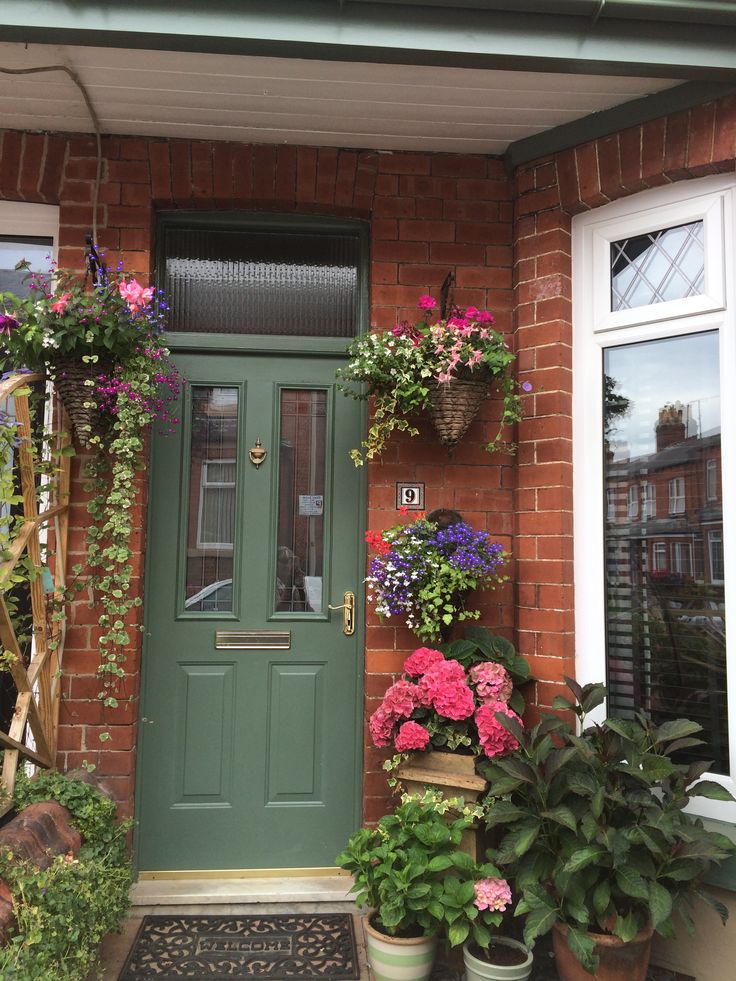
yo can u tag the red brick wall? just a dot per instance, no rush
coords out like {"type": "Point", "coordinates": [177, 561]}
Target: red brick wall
{"type": "Point", "coordinates": [548, 192]}
{"type": "Point", "coordinates": [429, 214]}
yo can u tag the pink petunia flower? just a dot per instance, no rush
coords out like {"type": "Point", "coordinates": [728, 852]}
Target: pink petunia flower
{"type": "Point", "coordinates": [493, 894]}
{"type": "Point", "coordinates": [411, 736]}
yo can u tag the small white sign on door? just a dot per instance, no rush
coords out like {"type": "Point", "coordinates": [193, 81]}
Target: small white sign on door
{"type": "Point", "coordinates": [311, 505]}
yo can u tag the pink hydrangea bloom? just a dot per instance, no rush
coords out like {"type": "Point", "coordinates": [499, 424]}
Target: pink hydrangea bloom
{"type": "Point", "coordinates": [492, 681]}
{"type": "Point", "coordinates": [401, 699]}
{"type": "Point", "coordinates": [493, 894]}
{"type": "Point", "coordinates": [427, 303]}
{"type": "Point", "coordinates": [381, 725]}
{"type": "Point", "coordinates": [454, 701]}
{"type": "Point", "coordinates": [494, 739]}
{"type": "Point", "coordinates": [422, 660]}
{"type": "Point", "coordinates": [411, 736]}
{"type": "Point", "coordinates": [438, 676]}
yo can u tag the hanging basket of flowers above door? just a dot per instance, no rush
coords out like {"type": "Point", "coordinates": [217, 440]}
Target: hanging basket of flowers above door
{"type": "Point", "coordinates": [444, 368]}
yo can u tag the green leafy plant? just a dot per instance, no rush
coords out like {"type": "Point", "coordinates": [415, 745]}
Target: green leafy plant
{"type": "Point", "coordinates": [410, 871]}
{"type": "Point", "coordinates": [595, 832]}
{"type": "Point", "coordinates": [401, 366]}
{"type": "Point", "coordinates": [64, 911]}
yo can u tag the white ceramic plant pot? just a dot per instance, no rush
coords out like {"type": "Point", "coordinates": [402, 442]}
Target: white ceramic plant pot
{"type": "Point", "coordinates": [398, 958]}
{"type": "Point", "coordinates": [478, 970]}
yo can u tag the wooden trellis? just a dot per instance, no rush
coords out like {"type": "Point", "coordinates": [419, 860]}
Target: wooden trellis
{"type": "Point", "coordinates": [38, 682]}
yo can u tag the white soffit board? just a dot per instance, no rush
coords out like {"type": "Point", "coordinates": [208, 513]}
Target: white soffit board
{"type": "Point", "coordinates": [297, 101]}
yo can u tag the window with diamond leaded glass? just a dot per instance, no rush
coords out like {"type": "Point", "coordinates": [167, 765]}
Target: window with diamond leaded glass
{"type": "Point", "coordinates": [668, 264]}
{"type": "Point", "coordinates": [654, 355]}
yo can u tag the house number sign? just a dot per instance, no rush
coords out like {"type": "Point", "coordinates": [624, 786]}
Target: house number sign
{"type": "Point", "coordinates": [410, 496]}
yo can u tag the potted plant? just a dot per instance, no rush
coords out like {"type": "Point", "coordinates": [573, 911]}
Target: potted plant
{"type": "Point", "coordinates": [410, 872]}
{"type": "Point", "coordinates": [446, 368]}
{"type": "Point", "coordinates": [423, 571]}
{"type": "Point", "coordinates": [101, 345]}
{"type": "Point", "coordinates": [596, 838]}
{"type": "Point", "coordinates": [441, 714]}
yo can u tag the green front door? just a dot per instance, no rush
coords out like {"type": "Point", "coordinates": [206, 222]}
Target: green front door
{"type": "Point", "coordinates": [249, 739]}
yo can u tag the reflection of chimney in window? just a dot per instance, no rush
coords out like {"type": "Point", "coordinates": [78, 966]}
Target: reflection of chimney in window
{"type": "Point", "coordinates": [670, 428]}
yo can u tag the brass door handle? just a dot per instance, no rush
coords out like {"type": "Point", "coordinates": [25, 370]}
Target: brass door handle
{"type": "Point", "coordinates": [348, 613]}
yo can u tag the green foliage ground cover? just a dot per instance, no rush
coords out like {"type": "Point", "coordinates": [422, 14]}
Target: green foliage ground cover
{"type": "Point", "coordinates": [64, 911]}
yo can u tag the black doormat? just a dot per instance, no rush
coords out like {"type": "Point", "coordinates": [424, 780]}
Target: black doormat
{"type": "Point", "coordinates": [210, 948]}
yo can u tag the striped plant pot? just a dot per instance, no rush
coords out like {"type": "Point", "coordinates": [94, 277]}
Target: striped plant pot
{"type": "Point", "coordinates": [398, 958]}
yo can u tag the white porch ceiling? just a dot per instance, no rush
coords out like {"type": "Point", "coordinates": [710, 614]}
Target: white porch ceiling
{"type": "Point", "coordinates": [306, 102]}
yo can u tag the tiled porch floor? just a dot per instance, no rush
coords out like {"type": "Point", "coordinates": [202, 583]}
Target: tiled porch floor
{"type": "Point", "coordinates": [325, 894]}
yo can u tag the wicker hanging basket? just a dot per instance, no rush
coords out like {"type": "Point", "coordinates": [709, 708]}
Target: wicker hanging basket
{"type": "Point", "coordinates": [69, 375]}
{"type": "Point", "coordinates": [453, 405]}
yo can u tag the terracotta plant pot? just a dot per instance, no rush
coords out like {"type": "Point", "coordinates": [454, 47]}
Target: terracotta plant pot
{"type": "Point", "coordinates": [619, 960]}
{"type": "Point", "coordinates": [398, 958]}
{"type": "Point", "coordinates": [477, 969]}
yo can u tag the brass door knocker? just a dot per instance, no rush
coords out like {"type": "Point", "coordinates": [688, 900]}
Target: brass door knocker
{"type": "Point", "coordinates": [257, 454]}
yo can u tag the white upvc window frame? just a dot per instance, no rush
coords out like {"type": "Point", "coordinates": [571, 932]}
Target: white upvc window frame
{"type": "Point", "coordinates": [648, 501]}
{"type": "Point", "coordinates": [206, 485]}
{"type": "Point", "coordinates": [659, 552]}
{"type": "Point", "coordinates": [682, 551]}
{"type": "Point", "coordinates": [715, 535]}
{"type": "Point", "coordinates": [632, 510]}
{"type": "Point", "coordinates": [711, 479]}
{"type": "Point", "coordinates": [677, 502]}
{"type": "Point", "coordinates": [595, 327]}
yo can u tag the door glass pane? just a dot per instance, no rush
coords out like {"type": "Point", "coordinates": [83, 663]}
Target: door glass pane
{"type": "Point", "coordinates": [665, 265]}
{"type": "Point", "coordinates": [665, 613]}
{"type": "Point", "coordinates": [212, 487]}
{"type": "Point", "coordinates": [262, 282]}
{"type": "Point", "coordinates": [300, 542]}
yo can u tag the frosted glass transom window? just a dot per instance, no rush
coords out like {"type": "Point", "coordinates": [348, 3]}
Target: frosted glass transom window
{"type": "Point", "coordinates": [668, 264]}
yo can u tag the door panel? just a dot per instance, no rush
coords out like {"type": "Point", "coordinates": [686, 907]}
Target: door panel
{"type": "Point", "coordinates": [250, 753]}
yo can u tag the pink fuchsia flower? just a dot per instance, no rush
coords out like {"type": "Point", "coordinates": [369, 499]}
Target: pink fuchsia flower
{"type": "Point", "coordinates": [401, 699]}
{"type": "Point", "coordinates": [493, 894]}
{"type": "Point", "coordinates": [7, 324]}
{"type": "Point", "coordinates": [422, 660]}
{"type": "Point", "coordinates": [61, 304]}
{"type": "Point", "coordinates": [135, 295]}
{"type": "Point", "coordinates": [494, 739]}
{"type": "Point", "coordinates": [453, 701]}
{"type": "Point", "coordinates": [411, 736]}
{"type": "Point", "coordinates": [381, 725]}
{"type": "Point", "coordinates": [427, 303]}
{"type": "Point", "coordinates": [492, 681]}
